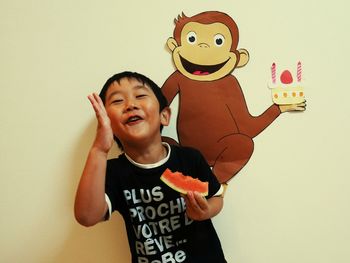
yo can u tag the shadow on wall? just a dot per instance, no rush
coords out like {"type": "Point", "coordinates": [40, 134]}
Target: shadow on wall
{"type": "Point", "coordinates": [104, 242]}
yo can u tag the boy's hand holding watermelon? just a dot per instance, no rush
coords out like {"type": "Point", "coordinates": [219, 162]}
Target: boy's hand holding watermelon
{"type": "Point", "coordinates": [199, 208]}
{"type": "Point", "coordinates": [194, 192]}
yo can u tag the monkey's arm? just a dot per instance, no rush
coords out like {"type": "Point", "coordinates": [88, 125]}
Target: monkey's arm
{"type": "Point", "coordinates": [246, 123]}
{"type": "Point", "coordinates": [259, 123]}
{"type": "Point", "coordinates": [171, 87]}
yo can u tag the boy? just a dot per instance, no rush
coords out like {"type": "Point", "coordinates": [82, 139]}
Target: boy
{"type": "Point", "coordinates": [162, 225]}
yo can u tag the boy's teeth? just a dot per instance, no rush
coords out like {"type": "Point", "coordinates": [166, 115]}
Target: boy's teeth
{"type": "Point", "coordinates": [135, 118]}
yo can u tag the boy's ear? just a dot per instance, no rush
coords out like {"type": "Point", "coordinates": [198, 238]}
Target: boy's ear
{"type": "Point", "coordinates": [165, 115]}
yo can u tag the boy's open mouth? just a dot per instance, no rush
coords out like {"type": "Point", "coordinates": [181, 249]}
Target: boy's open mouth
{"type": "Point", "coordinates": [133, 119]}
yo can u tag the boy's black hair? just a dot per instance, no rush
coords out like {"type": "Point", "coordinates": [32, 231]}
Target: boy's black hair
{"type": "Point", "coordinates": [163, 103]}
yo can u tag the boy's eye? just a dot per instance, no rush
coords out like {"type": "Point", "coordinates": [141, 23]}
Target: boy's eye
{"type": "Point", "coordinates": [141, 96]}
{"type": "Point", "coordinates": [117, 101]}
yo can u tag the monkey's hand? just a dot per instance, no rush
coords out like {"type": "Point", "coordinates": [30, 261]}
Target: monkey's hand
{"type": "Point", "coordinates": [293, 107]}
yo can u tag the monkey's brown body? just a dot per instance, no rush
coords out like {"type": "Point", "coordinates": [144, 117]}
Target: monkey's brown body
{"type": "Point", "coordinates": [213, 117]}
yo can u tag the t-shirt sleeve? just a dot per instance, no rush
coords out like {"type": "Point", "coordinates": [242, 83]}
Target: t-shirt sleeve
{"type": "Point", "coordinates": [110, 191]}
{"type": "Point", "coordinates": [205, 174]}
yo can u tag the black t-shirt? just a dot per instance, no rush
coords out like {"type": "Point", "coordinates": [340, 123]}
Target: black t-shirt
{"type": "Point", "coordinates": [155, 217]}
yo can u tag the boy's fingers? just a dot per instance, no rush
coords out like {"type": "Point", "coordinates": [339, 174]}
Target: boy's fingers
{"type": "Point", "coordinates": [189, 202]}
{"type": "Point", "coordinates": [98, 99]}
{"type": "Point", "coordinates": [201, 201]}
{"type": "Point", "coordinates": [191, 198]}
{"type": "Point", "coordinates": [100, 102]}
{"type": "Point", "coordinates": [92, 99]}
{"type": "Point", "coordinates": [97, 105]}
{"type": "Point", "coordinates": [196, 201]}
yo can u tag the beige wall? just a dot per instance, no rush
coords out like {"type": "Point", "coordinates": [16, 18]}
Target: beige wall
{"type": "Point", "coordinates": [289, 204]}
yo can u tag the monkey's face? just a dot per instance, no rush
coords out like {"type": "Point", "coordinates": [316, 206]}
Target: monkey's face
{"type": "Point", "coordinates": [204, 53]}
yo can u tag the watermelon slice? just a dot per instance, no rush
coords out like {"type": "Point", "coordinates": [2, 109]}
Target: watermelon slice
{"type": "Point", "coordinates": [183, 183]}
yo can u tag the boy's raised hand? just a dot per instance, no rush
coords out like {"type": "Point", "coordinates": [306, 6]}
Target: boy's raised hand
{"type": "Point", "coordinates": [104, 134]}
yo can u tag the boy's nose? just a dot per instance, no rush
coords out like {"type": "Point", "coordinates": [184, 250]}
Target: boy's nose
{"type": "Point", "coordinates": [131, 105]}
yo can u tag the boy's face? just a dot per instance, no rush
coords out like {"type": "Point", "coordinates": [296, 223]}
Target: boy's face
{"type": "Point", "coordinates": [134, 112]}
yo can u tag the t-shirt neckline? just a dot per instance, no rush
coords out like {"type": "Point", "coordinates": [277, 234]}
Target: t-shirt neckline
{"type": "Point", "coordinates": [152, 165]}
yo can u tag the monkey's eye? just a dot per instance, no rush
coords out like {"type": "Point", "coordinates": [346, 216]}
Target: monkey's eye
{"type": "Point", "coordinates": [219, 40]}
{"type": "Point", "coordinates": [191, 38]}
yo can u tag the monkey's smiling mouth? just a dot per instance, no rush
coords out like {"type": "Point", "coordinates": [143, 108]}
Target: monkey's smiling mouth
{"type": "Point", "coordinates": [196, 69]}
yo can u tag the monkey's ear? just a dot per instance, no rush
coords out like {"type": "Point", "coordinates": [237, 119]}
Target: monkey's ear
{"type": "Point", "coordinates": [171, 43]}
{"type": "Point", "coordinates": [243, 57]}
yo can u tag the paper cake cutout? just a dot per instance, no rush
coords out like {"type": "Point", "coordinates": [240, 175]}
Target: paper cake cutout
{"type": "Point", "coordinates": [287, 90]}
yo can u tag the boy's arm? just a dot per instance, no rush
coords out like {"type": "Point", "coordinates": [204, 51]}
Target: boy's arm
{"type": "Point", "coordinates": [90, 204]}
{"type": "Point", "coordinates": [198, 208]}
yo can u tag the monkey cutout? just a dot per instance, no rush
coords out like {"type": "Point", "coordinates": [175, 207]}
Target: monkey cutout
{"type": "Point", "coordinates": [213, 115]}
